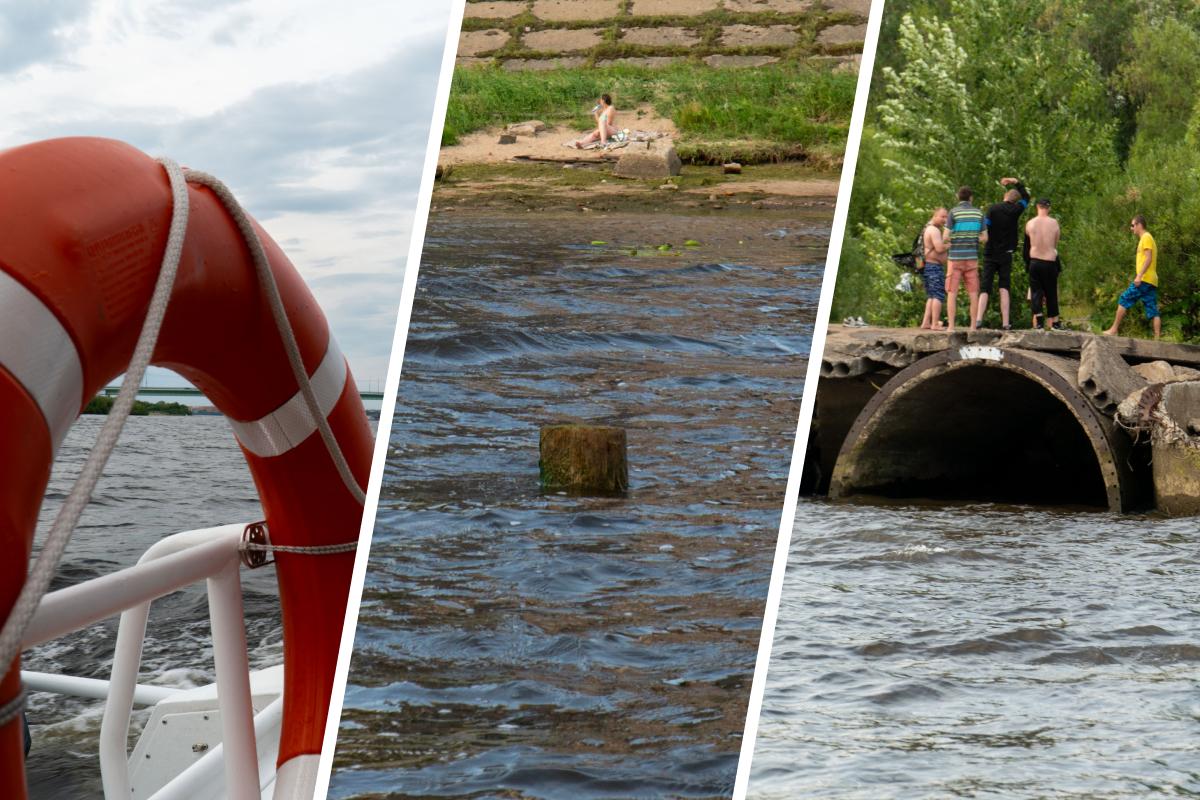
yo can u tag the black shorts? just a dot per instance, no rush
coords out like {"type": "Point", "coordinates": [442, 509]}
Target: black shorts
{"type": "Point", "coordinates": [994, 265]}
{"type": "Point", "coordinates": [1043, 284]}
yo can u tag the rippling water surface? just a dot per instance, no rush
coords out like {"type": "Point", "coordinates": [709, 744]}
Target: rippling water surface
{"type": "Point", "coordinates": [983, 651]}
{"type": "Point", "coordinates": [519, 645]}
{"type": "Point", "coordinates": [168, 474]}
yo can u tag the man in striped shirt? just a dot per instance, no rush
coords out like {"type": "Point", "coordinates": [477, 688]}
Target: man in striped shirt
{"type": "Point", "coordinates": [968, 230]}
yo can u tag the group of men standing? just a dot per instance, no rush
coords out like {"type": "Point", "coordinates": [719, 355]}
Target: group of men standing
{"type": "Point", "coordinates": [951, 241]}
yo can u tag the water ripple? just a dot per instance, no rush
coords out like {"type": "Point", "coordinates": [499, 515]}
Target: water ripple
{"type": "Point", "coordinates": [940, 651]}
{"type": "Point", "coordinates": [525, 645]}
{"type": "Point", "coordinates": [168, 474]}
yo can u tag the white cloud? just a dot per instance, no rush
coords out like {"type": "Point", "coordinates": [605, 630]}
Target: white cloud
{"type": "Point", "coordinates": [36, 32]}
{"type": "Point", "coordinates": [316, 114]}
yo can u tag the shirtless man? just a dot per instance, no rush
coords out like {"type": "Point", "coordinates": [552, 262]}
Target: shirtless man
{"type": "Point", "coordinates": [1043, 234]}
{"type": "Point", "coordinates": [606, 116]}
{"type": "Point", "coordinates": [933, 271]}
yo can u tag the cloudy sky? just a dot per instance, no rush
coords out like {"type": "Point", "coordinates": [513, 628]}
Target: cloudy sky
{"type": "Point", "coordinates": [315, 113]}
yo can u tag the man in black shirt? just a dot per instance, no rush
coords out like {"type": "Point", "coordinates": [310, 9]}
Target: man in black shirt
{"type": "Point", "coordinates": [1002, 219]}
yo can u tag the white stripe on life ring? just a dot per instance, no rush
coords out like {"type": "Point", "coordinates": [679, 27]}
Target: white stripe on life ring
{"type": "Point", "coordinates": [290, 424]}
{"type": "Point", "coordinates": [296, 778]}
{"type": "Point", "coordinates": [37, 350]}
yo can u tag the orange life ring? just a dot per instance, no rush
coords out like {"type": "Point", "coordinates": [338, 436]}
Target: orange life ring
{"type": "Point", "coordinates": [83, 224]}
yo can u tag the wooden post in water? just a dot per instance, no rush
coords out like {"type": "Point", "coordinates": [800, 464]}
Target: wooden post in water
{"type": "Point", "coordinates": [586, 459]}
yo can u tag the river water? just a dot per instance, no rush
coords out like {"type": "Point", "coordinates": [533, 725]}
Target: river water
{"type": "Point", "coordinates": [167, 474]}
{"type": "Point", "coordinates": [517, 644]}
{"type": "Point", "coordinates": [983, 651]}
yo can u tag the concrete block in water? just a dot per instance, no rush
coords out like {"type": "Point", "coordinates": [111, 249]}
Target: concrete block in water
{"type": "Point", "coordinates": [1176, 479]}
{"type": "Point", "coordinates": [585, 459]}
{"type": "Point", "coordinates": [1176, 451]}
{"type": "Point", "coordinates": [650, 160]}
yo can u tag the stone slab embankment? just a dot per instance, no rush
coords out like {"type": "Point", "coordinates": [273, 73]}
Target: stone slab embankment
{"type": "Point", "coordinates": [547, 34]}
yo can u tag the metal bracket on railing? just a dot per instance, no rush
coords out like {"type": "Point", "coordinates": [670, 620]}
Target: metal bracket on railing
{"type": "Point", "coordinates": [256, 545]}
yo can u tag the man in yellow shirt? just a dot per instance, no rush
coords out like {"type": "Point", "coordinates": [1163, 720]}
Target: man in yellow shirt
{"type": "Point", "coordinates": [1145, 280]}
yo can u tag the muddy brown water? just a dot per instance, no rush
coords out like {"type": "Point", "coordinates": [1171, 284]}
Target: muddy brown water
{"type": "Point", "coordinates": [515, 644]}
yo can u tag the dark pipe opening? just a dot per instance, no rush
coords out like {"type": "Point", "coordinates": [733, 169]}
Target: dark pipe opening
{"type": "Point", "coordinates": [838, 404]}
{"type": "Point", "coordinates": [983, 434]}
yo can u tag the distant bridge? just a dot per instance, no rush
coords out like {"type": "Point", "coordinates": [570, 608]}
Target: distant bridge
{"type": "Point", "coordinates": [1020, 416]}
{"type": "Point", "coordinates": [192, 391]}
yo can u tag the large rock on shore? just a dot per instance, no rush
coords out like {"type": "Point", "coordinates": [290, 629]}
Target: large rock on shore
{"type": "Point", "coordinates": [531, 127]}
{"type": "Point", "coordinates": [649, 161]}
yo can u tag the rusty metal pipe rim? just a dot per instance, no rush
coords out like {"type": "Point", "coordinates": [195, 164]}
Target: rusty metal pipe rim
{"type": "Point", "coordinates": [1028, 365]}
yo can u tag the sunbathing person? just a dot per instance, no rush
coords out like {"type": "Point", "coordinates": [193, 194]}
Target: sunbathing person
{"type": "Point", "coordinates": [606, 116]}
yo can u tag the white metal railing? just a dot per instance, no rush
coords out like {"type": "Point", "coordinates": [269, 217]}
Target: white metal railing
{"type": "Point", "coordinates": [168, 565]}
{"type": "Point", "coordinates": [91, 688]}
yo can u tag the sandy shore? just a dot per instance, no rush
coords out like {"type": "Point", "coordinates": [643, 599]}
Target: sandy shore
{"type": "Point", "coordinates": [481, 172]}
{"type": "Point", "coordinates": [482, 147]}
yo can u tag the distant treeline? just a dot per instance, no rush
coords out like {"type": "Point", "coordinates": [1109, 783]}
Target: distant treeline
{"type": "Point", "coordinates": [1093, 105]}
{"type": "Point", "coordinates": [102, 404]}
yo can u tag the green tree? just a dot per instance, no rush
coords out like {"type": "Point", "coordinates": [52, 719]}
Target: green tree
{"type": "Point", "coordinates": [1160, 78]}
{"type": "Point", "coordinates": [961, 110]}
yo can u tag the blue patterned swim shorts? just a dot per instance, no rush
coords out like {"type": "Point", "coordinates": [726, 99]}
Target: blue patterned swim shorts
{"type": "Point", "coordinates": [1147, 293]}
{"type": "Point", "coordinates": [934, 277]}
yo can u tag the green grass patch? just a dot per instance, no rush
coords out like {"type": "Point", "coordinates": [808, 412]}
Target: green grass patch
{"type": "Point", "coordinates": [787, 105]}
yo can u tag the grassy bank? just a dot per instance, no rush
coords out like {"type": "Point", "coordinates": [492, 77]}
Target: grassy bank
{"type": "Point", "coordinates": [773, 112]}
